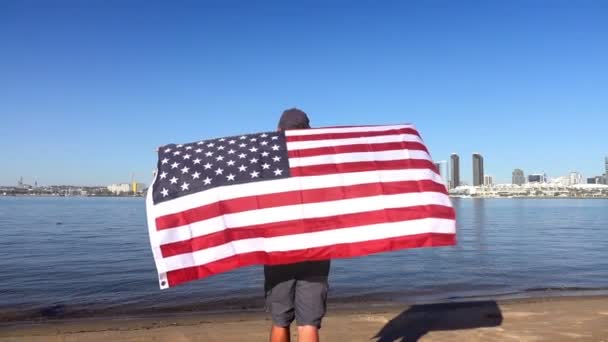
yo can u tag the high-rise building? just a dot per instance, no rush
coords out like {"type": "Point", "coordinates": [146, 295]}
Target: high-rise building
{"type": "Point", "coordinates": [537, 178]}
{"type": "Point", "coordinates": [518, 177]}
{"type": "Point", "coordinates": [455, 174]}
{"type": "Point", "coordinates": [477, 169]}
{"type": "Point", "coordinates": [488, 180]}
{"type": "Point", "coordinates": [442, 168]}
{"type": "Point", "coordinates": [575, 178]}
{"type": "Point", "coordinates": [606, 167]}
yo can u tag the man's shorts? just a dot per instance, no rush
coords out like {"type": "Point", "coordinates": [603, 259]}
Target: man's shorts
{"type": "Point", "coordinates": [297, 291]}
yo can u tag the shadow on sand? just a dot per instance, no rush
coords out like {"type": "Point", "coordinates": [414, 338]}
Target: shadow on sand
{"type": "Point", "coordinates": [418, 320]}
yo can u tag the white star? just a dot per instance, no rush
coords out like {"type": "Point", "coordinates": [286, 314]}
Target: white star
{"type": "Point", "coordinates": [222, 139]}
{"type": "Point", "coordinates": [275, 147]}
{"type": "Point", "coordinates": [187, 156]}
{"type": "Point", "coordinates": [242, 145]}
{"type": "Point", "coordinates": [180, 146]}
{"type": "Point", "coordinates": [210, 144]}
{"type": "Point", "coordinates": [264, 143]}
{"type": "Point", "coordinates": [230, 162]}
{"type": "Point", "coordinates": [219, 171]}
{"type": "Point", "coordinates": [253, 160]}
{"type": "Point", "coordinates": [242, 156]}
{"type": "Point", "coordinates": [231, 151]}
{"type": "Point", "coordinates": [264, 135]}
{"type": "Point", "coordinates": [207, 166]}
{"type": "Point", "coordinates": [185, 186]}
{"type": "Point", "coordinates": [188, 148]}
{"type": "Point", "coordinates": [242, 137]}
{"type": "Point", "coordinates": [230, 177]}
{"type": "Point", "coordinates": [168, 150]}
{"type": "Point", "coordinates": [177, 153]}
{"type": "Point", "coordinates": [265, 154]}
{"type": "Point", "coordinates": [276, 158]}
{"type": "Point", "coordinates": [163, 175]}
{"type": "Point", "coordinates": [165, 192]}
{"type": "Point", "coordinates": [220, 148]}
{"type": "Point", "coordinates": [278, 172]}
{"type": "Point", "coordinates": [196, 161]}
{"type": "Point", "coordinates": [232, 141]}
{"type": "Point", "coordinates": [164, 161]}
{"type": "Point", "coordinates": [242, 168]}
{"type": "Point", "coordinates": [196, 175]}
{"type": "Point", "coordinates": [219, 158]}
{"type": "Point", "coordinates": [265, 166]}
{"type": "Point", "coordinates": [185, 169]}
{"type": "Point", "coordinates": [209, 154]}
{"type": "Point", "coordinates": [254, 174]}
{"type": "Point", "coordinates": [174, 165]}
{"type": "Point", "coordinates": [198, 150]}
{"type": "Point", "coordinates": [173, 180]}
{"type": "Point", "coordinates": [253, 139]}
{"type": "Point", "coordinates": [274, 138]}
{"type": "Point", "coordinates": [200, 142]}
{"type": "Point", "coordinates": [207, 181]}
{"type": "Point", "coordinates": [253, 149]}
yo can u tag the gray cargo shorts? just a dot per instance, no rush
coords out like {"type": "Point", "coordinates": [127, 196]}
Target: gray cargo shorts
{"type": "Point", "coordinates": [297, 291]}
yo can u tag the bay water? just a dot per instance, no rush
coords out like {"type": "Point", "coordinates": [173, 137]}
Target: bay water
{"type": "Point", "coordinates": [89, 257]}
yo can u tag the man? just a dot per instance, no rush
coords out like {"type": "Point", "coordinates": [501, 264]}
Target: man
{"type": "Point", "coordinates": [296, 290]}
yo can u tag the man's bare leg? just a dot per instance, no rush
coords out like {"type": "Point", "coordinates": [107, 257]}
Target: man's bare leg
{"type": "Point", "coordinates": [308, 333]}
{"type": "Point", "coordinates": [279, 334]}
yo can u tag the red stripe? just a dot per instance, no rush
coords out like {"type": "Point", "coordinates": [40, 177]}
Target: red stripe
{"type": "Point", "coordinates": [401, 145]}
{"type": "Point", "coordinates": [346, 135]}
{"type": "Point", "coordinates": [319, 253]}
{"type": "Point", "coordinates": [326, 169]}
{"type": "Point", "coordinates": [294, 197]}
{"type": "Point", "coordinates": [310, 225]}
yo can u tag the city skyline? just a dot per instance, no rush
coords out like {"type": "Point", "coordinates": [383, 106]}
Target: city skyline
{"type": "Point", "coordinates": [89, 90]}
{"type": "Point", "coordinates": [446, 167]}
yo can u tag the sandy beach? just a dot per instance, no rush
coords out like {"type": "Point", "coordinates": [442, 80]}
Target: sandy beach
{"type": "Point", "coordinates": [539, 319]}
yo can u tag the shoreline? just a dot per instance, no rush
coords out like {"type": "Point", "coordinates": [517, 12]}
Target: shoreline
{"type": "Point", "coordinates": [541, 318]}
{"type": "Point", "coordinates": [253, 304]}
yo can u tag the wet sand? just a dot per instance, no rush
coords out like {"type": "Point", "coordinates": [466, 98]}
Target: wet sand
{"type": "Point", "coordinates": [539, 319]}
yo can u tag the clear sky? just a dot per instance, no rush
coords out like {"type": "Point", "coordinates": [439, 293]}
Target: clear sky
{"type": "Point", "coordinates": [88, 89]}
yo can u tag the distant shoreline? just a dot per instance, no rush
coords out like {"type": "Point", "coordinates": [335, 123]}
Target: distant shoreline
{"type": "Point", "coordinates": [81, 196]}
{"type": "Point", "coordinates": [451, 196]}
{"type": "Point", "coordinates": [526, 197]}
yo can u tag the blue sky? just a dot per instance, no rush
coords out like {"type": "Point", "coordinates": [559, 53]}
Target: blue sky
{"type": "Point", "coordinates": [88, 89]}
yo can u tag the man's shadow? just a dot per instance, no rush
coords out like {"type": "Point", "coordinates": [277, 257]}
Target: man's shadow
{"type": "Point", "coordinates": [418, 320]}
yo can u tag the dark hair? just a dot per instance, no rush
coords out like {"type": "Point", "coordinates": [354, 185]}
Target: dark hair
{"type": "Point", "coordinates": [294, 119]}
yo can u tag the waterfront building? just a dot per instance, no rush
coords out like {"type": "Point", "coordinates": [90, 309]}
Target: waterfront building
{"type": "Point", "coordinates": [455, 168]}
{"type": "Point", "coordinates": [477, 169]}
{"type": "Point", "coordinates": [442, 168]}
{"type": "Point", "coordinates": [119, 188]}
{"type": "Point", "coordinates": [518, 177]}
{"type": "Point", "coordinates": [575, 178]}
{"type": "Point", "coordinates": [537, 178]}
{"type": "Point", "coordinates": [488, 180]}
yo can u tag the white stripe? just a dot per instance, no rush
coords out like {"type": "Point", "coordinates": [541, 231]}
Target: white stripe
{"type": "Point", "coordinates": [311, 240]}
{"type": "Point", "coordinates": [314, 131]}
{"type": "Point", "coordinates": [289, 184]}
{"type": "Point", "coordinates": [154, 239]}
{"type": "Point", "coordinates": [359, 157]}
{"type": "Point", "coordinates": [301, 211]}
{"type": "Point", "coordinates": [301, 145]}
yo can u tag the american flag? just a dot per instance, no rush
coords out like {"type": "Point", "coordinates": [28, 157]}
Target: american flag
{"type": "Point", "coordinates": [284, 197]}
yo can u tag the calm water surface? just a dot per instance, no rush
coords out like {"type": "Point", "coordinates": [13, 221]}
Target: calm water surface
{"type": "Point", "coordinates": [62, 257]}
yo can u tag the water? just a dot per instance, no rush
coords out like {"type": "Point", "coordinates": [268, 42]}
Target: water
{"type": "Point", "coordinates": [66, 257]}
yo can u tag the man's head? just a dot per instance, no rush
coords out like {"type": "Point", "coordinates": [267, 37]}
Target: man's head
{"type": "Point", "coordinates": [293, 119]}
